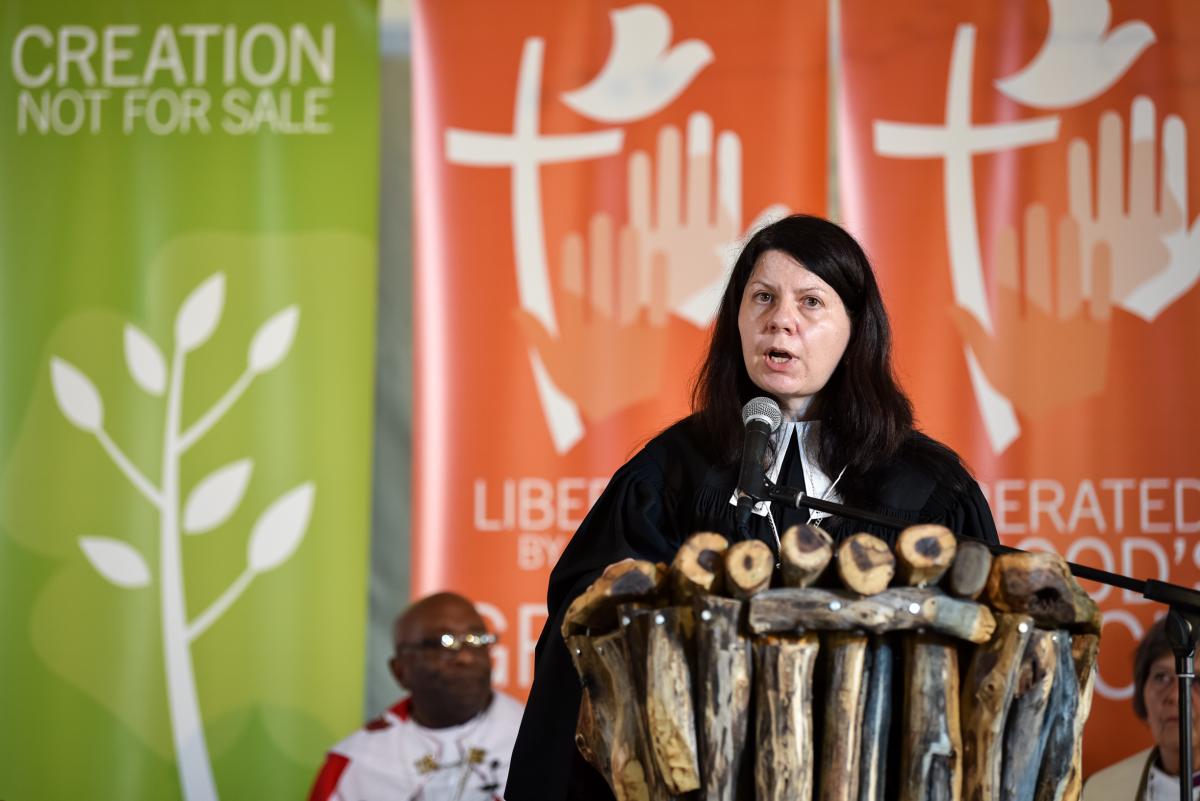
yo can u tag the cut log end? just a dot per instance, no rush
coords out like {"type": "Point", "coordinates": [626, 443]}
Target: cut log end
{"type": "Point", "coordinates": [804, 553]}
{"type": "Point", "coordinates": [865, 564]}
{"type": "Point", "coordinates": [1041, 586]}
{"type": "Point", "coordinates": [698, 566]}
{"type": "Point", "coordinates": [749, 566]}
{"type": "Point", "coordinates": [595, 607]}
{"type": "Point", "coordinates": [924, 553]}
{"type": "Point", "coordinates": [969, 574]}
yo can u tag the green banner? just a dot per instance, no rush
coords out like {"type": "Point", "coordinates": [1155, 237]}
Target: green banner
{"type": "Point", "coordinates": [188, 228]}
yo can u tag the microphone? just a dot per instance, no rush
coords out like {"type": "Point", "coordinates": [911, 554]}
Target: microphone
{"type": "Point", "coordinates": [761, 417]}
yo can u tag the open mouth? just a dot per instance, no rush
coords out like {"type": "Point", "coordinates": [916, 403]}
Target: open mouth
{"type": "Point", "coordinates": [778, 356]}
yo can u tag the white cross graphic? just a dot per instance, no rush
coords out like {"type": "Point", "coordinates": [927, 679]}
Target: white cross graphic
{"type": "Point", "coordinates": [525, 150]}
{"type": "Point", "coordinates": [956, 141]}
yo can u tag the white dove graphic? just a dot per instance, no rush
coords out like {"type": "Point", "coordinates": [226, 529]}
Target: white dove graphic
{"type": "Point", "coordinates": [641, 75]}
{"type": "Point", "coordinates": [1078, 60]}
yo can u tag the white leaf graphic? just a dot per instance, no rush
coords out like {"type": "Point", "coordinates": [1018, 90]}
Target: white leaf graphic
{"type": "Point", "coordinates": [116, 561]}
{"type": "Point", "coordinates": [145, 360]}
{"type": "Point", "coordinates": [200, 313]}
{"type": "Point", "coordinates": [273, 339]}
{"type": "Point", "coordinates": [216, 497]}
{"type": "Point", "coordinates": [279, 530]}
{"type": "Point", "coordinates": [76, 396]}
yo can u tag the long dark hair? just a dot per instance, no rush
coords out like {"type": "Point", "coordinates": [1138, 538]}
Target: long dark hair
{"type": "Point", "coordinates": [865, 417]}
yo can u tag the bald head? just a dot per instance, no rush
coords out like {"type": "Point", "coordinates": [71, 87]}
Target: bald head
{"type": "Point", "coordinates": [429, 617]}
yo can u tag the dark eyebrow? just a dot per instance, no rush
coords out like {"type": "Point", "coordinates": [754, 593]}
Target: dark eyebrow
{"type": "Point", "coordinates": [803, 290]}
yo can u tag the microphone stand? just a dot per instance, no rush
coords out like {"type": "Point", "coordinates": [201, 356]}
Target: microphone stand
{"type": "Point", "coordinates": [1183, 617]}
{"type": "Point", "coordinates": [1181, 632]}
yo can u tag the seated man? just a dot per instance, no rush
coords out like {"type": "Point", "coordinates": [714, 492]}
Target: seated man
{"type": "Point", "coordinates": [451, 738]}
{"type": "Point", "coordinates": [1153, 774]}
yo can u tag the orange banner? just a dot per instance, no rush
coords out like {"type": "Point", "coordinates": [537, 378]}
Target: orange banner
{"type": "Point", "coordinates": [1020, 178]}
{"type": "Point", "coordinates": [583, 176]}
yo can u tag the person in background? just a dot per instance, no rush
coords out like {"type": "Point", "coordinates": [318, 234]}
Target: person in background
{"type": "Point", "coordinates": [802, 322]}
{"type": "Point", "coordinates": [451, 738]}
{"type": "Point", "coordinates": [1153, 774]}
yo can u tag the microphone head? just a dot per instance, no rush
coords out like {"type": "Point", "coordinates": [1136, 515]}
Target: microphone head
{"type": "Point", "coordinates": [764, 409]}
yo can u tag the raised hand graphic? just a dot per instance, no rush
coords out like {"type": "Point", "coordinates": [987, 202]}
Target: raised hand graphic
{"type": "Point", "coordinates": [688, 217]}
{"type": "Point", "coordinates": [1049, 348]}
{"type": "Point", "coordinates": [1155, 254]}
{"type": "Point", "coordinates": [609, 352]}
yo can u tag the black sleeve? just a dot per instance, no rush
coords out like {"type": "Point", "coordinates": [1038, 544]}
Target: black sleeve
{"type": "Point", "coordinates": [953, 496]}
{"type": "Point", "coordinates": [970, 515]}
{"type": "Point", "coordinates": [928, 484]}
{"type": "Point", "coordinates": [634, 517]}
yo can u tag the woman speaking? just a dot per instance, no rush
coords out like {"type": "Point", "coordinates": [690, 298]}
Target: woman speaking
{"type": "Point", "coordinates": [801, 321]}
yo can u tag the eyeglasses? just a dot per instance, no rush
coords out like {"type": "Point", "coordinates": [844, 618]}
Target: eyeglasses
{"type": "Point", "coordinates": [449, 642]}
{"type": "Point", "coordinates": [1160, 680]}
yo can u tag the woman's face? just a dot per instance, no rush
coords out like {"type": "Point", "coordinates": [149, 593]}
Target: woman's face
{"type": "Point", "coordinates": [1161, 696]}
{"type": "Point", "coordinates": [794, 330]}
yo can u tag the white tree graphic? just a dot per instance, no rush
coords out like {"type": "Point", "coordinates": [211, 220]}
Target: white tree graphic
{"type": "Point", "coordinates": [275, 535]}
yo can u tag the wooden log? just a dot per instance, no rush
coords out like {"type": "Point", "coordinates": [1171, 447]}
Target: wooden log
{"type": "Point", "coordinates": [1084, 650]}
{"type": "Point", "coordinates": [783, 675]}
{"type": "Point", "coordinates": [986, 695]}
{"type": "Point", "coordinates": [621, 582]}
{"type": "Point", "coordinates": [1055, 772]}
{"type": "Point", "coordinates": [698, 566]}
{"type": "Point", "coordinates": [633, 775]}
{"type": "Point", "coordinates": [670, 715]}
{"type": "Point", "coordinates": [637, 622]}
{"type": "Point", "coordinates": [931, 758]}
{"type": "Point", "coordinates": [923, 554]}
{"type": "Point", "coordinates": [969, 574]}
{"type": "Point", "coordinates": [722, 677]}
{"type": "Point", "coordinates": [876, 726]}
{"type": "Point", "coordinates": [588, 736]}
{"type": "Point", "coordinates": [931, 761]}
{"type": "Point", "coordinates": [786, 610]}
{"type": "Point", "coordinates": [594, 729]}
{"type": "Point", "coordinates": [804, 553]}
{"type": "Point", "coordinates": [1024, 734]}
{"type": "Point", "coordinates": [1041, 585]}
{"type": "Point", "coordinates": [749, 566]}
{"type": "Point", "coordinates": [844, 697]}
{"type": "Point", "coordinates": [865, 564]}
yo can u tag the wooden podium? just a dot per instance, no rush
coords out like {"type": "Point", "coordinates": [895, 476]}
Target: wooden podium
{"type": "Point", "coordinates": [852, 673]}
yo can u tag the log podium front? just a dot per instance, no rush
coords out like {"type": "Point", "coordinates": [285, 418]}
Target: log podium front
{"type": "Point", "coordinates": [851, 673]}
